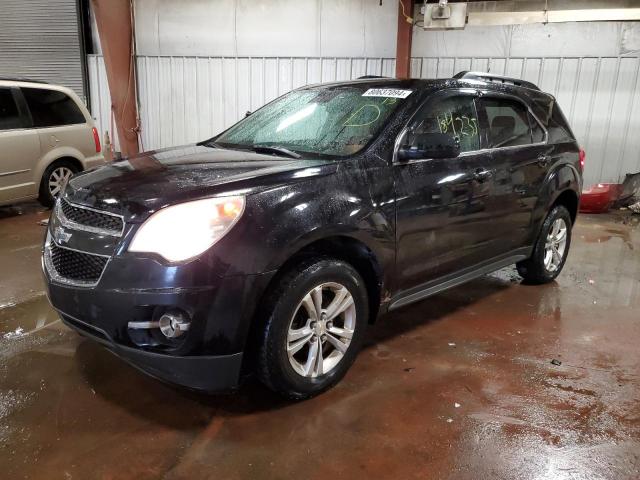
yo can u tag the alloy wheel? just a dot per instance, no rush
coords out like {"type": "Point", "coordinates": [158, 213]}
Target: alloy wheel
{"type": "Point", "coordinates": [58, 179]}
{"type": "Point", "coordinates": [555, 245]}
{"type": "Point", "coordinates": [321, 330]}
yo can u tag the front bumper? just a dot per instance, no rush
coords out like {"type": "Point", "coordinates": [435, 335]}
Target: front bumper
{"type": "Point", "coordinates": [210, 356]}
{"type": "Point", "coordinates": [209, 373]}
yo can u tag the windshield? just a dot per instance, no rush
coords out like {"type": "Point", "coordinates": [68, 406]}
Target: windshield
{"type": "Point", "coordinates": [336, 121]}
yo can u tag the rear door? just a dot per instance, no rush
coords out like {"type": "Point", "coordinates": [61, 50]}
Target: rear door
{"type": "Point", "coordinates": [520, 158]}
{"type": "Point", "coordinates": [19, 148]}
{"type": "Point", "coordinates": [442, 221]}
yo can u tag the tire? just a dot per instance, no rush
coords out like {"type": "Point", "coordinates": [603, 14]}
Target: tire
{"type": "Point", "coordinates": [538, 269]}
{"type": "Point", "coordinates": [53, 172]}
{"type": "Point", "coordinates": [289, 309]}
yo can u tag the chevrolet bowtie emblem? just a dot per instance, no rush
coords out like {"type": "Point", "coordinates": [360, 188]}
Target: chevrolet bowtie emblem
{"type": "Point", "coordinates": [61, 236]}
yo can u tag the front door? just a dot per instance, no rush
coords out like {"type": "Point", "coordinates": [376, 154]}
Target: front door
{"type": "Point", "coordinates": [443, 224]}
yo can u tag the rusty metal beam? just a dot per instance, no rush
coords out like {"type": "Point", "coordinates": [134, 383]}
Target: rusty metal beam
{"type": "Point", "coordinates": [405, 31]}
{"type": "Point", "coordinates": [114, 20]}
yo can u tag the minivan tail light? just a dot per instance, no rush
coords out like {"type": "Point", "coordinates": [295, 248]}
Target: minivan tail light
{"type": "Point", "coordinates": [96, 139]}
{"type": "Point", "coordinates": [582, 156]}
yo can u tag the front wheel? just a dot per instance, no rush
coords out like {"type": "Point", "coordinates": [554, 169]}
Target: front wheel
{"type": "Point", "coordinates": [317, 315]}
{"type": "Point", "coordinates": [551, 249]}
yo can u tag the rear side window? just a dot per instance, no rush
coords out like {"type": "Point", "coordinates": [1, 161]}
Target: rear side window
{"type": "Point", "coordinates": [9, 114]}
{"type": "Point", "coordinates": [537, 133]}
{"type": "Point", "coordinates": [455, 116]}
{"type": "Point", "coordinates": [508, 123]}
{"type": "Point", "coordinates": [50, 108]}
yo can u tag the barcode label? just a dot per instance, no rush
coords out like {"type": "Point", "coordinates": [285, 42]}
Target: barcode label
{"type": "Point", "coordinates": [387, 92]}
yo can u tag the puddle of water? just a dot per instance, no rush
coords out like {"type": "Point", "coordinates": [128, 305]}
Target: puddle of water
{"type": "Point", "coordinates": [19, 319]}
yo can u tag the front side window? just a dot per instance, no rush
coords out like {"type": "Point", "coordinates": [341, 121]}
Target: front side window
{"type": "Point", "coordinates": [50, 108]}
{"type": "Point", "coordinates": [455, 116]}
{"type": "Point", "coordinates": [337, 121]}
{"type": "Point", "coordinates": [9, 114]}
{"type": "Point", "coordinates": [508, 123]}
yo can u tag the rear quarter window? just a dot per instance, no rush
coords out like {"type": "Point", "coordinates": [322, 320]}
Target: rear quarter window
{"type": "Point", "coordinates": [558, 127]}
{"type": "Point", "coordinates": [50, 108]}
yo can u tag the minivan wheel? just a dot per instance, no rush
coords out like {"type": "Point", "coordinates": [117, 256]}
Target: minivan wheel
{"type": "Point", "coordinates": [54, 180]}
{"type": "Point", "coordinates": [316, 319]}
{"type": "Point", "coordinates": [551, 249]}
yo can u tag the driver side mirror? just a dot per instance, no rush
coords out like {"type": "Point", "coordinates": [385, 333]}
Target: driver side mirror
{"type": "Point", "coordinates": [429, 145]}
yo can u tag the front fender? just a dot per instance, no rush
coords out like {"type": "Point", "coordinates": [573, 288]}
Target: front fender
{"type": "Point", "coordinates": [325, 217]}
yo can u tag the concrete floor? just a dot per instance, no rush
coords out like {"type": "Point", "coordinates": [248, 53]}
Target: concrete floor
{"type": "Point", "coordinates": [458, 386]}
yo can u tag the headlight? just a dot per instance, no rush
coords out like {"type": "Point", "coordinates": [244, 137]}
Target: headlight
{"type": "Point", "coordinates": [184, 231]}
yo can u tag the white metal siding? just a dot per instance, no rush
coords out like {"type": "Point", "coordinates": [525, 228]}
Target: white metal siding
{"type": "Point", "coordinates": [39, 40]}
{"type": "Point", "coordinates": [185, 99]}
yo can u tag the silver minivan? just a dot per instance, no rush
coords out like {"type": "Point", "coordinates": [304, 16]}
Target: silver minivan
{"type": "Point", "coordinates": [46, 135]}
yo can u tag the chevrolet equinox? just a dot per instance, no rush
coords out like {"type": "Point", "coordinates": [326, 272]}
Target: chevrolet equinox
{"type": "Point", "coordinates": [269, 248]}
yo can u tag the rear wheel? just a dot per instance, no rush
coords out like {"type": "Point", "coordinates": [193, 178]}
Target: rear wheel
{"type": "Point", "coordinates": [54, 180]}
{"type": "Point", "coordinates": [317, 315]}
{"type": "Point", "coordinates": [551, 249]}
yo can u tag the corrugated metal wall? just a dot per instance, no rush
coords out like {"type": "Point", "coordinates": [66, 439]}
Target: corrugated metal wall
{"type": "Point", "coordinates": [40, 40]}
{"type": "Point", "coordinates": [185, 99]}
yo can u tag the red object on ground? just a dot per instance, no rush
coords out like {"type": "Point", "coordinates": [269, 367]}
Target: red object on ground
{"type": "Point", "coordinates": [599, 197]}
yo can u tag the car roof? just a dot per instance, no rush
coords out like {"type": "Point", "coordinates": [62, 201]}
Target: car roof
{"type": "Point", "coordinates": [386, 82]}
{"type": "Point", "coordinates": [462, 79]}
{"type": "Point", "coordinates": [31, 83]}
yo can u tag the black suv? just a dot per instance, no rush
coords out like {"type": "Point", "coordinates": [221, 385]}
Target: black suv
{"type": "Point", "coordinates": [270, 247]}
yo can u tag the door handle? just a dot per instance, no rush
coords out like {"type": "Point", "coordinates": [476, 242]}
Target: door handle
{"type": "Point", "coordinates": [481, 175]}
{"type": "Point", "coordinates": [543, 160]}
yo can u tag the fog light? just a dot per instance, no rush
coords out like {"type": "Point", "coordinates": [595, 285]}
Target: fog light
{"type": "Point", "coordinates": [173, 324]}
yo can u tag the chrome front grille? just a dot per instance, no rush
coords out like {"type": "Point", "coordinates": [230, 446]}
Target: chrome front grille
{"type": "Point", "coordinates": [72, 267]}
{"type": "Point", "coordinates": [77, 266]}
{"type": "Point", "coordinates": [88, 219]}
{"type": "Point", "coordinates": [73, 230]}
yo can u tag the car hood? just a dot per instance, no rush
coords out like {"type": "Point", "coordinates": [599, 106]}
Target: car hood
{"type": "Point", "coordinates": [140, 185]}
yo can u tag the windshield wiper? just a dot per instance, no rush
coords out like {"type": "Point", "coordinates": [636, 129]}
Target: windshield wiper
{"type": "Point", "coordinates": [210, 143]}
{"type": "Point", "coordinates": [275, 149]}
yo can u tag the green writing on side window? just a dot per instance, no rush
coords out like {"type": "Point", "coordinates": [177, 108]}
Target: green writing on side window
{"type": "Point", "coordinates": [457, 125]}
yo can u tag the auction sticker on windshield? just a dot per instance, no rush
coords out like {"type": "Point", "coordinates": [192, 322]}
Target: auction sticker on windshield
{"type": "Point", "coordinates": [387, 92]}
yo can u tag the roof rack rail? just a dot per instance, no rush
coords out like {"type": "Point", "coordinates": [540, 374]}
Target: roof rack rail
{"type": "Point", "coordinates": [22, 79]}
{"type": "Point", "coordinates": [364, 77]}
{"type": "Point", "coordinates": [490, 77]}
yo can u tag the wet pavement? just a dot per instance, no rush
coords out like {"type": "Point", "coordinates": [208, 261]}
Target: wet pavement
{"type": "Point", "coordinates": [459, 386]}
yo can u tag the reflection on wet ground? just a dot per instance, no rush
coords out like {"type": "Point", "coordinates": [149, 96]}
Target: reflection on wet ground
{"type": "Point", "coordinates": [458, 386]}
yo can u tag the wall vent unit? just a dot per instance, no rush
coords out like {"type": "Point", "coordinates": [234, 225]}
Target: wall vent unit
{"type": "Point", "coordinates": [444, 16]}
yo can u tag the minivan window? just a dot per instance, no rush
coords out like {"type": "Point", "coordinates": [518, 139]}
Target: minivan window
{"type": "Point", "coordinates": [9, 114]}
{"type": "Point", "coordinates": [50, 108]}
{"type": "Point", "coordinates": [337, 121]}
{"type": "Point", "coordinates": [508, 123]}
{"type": "Point", "coordinates": [455, 116]}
